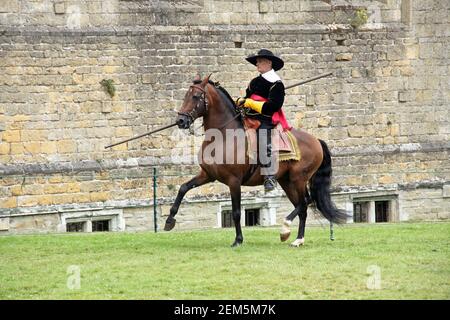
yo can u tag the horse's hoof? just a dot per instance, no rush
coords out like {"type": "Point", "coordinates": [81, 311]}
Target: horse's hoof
{"type": "Point", "coordinates": [297, 243]}
{"type": "Point", "coordinates": [284, 236]}
{"type": "Point", "coordinates": [236, 244]}
{"type": "Point", "coordinates": [285, 230]}
{"type": "Point", "coordinates": [170, 224]}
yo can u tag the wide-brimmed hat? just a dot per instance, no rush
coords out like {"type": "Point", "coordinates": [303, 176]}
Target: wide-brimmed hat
{"type": "Point", "coordinates": [277, 63]}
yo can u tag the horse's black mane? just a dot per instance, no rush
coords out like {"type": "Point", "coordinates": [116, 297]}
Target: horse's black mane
{"type": "Point", "coordinates": [231, 105]}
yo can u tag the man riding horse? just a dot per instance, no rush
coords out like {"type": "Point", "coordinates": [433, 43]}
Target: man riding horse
{"type": "Point", "coordinates": [263, 101]}
{"type": "Point", "coordinates": [265, 97]}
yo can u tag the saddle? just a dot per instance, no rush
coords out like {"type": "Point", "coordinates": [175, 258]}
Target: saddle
{"type": "Point", "coordinates": [283, 142]}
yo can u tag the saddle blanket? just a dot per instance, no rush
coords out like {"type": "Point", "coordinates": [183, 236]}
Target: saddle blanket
{"type": "Point", "coordinates": [284, 144]}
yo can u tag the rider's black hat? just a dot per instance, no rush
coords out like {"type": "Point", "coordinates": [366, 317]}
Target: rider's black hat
{"type": "Point", "coordinates": [277, 63]}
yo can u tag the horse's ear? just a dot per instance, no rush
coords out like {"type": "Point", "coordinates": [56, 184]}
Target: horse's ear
{"type": "Point", "coordinates": [206, 80]}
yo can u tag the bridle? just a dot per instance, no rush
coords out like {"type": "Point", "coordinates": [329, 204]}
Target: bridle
{"type": "Point", "coordinates": [195, 112]}
{"type": "Point", "coordinates": [202, 102]}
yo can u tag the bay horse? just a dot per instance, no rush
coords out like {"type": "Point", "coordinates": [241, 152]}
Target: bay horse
{"type": "Point", "coordinates": [216, 107]}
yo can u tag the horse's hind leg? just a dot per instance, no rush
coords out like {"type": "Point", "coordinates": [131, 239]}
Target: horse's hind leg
{"type": "Point", "coordinates": [301, 226]}
{"type": "Point", "coordinates": [302, 213]}
{"type": "Point", "coordinates": [197, 181]}
{"type": "Point", "coordinates": [292, 195]}
{"type": "Point", "coordinates": [298, 195]}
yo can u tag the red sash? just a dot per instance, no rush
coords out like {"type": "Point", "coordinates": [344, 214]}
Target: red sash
{"type": "Point", "coordinates": [277, 117]}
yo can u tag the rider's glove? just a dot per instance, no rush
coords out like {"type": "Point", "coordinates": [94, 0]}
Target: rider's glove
{"type": "Point", "coordinates": [240, 102]}
{"type": "Point", "coordinates": [255, 105]}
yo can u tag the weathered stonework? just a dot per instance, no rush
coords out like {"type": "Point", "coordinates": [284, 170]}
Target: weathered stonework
{"type": "Point", "coordinates": [384, 112]}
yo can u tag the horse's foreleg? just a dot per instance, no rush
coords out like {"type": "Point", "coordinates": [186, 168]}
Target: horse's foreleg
{"type": "Point", "coordinates": [198, 180]}
{"type": "Point", "coordinates": [235, 191]}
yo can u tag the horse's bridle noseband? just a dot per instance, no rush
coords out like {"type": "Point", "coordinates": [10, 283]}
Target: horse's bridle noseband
{"type": "Point", "coordinates": [195, 112]}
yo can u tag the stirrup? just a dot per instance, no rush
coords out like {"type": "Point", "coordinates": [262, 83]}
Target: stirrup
{"type": "Point", "coordinates": [269, 183]}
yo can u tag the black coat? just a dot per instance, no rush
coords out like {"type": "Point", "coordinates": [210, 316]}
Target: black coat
{"type": "Point", "coordinates": [273, 91]}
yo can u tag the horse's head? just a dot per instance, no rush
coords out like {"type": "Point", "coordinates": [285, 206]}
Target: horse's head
{"type": "Point", "coordinates": [195, 104]}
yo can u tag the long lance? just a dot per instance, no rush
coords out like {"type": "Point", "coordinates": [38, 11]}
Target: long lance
{"type": "Point", "coordinates": [288, 87]}
{"type": "Point", "coordinates": [309, 80]}
{"type": "Point", "coordinates": [142, 135]}
{"type": "Point", "coordinates": [174, 124]}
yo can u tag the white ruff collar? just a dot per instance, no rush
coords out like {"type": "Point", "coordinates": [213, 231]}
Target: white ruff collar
{"type": "Point", "coordinates": [271, 76]}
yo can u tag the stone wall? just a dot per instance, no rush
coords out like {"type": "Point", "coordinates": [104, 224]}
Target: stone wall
{"type": "Point", "coordinates": [384, 112]}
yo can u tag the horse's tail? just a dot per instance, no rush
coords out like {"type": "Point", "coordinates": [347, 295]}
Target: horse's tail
{"type": "Point", "coordinates": [320, 189]}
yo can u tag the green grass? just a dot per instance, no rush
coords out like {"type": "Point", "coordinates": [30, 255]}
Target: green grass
{"type": "Point", "coordinates": [413, 260]}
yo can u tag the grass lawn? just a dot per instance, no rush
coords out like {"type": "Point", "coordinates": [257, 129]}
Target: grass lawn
{"type": "Point", "coordinates": [382, 261]}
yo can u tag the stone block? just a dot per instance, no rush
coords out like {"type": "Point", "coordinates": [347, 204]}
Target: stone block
{"type": "Point", "coordinates": [54, 188]}
{"type": "Point", "coordinates": [106, 106]}
{"type": "Point", "coordinates": [344, 57]}
{"type": "Point", "coordinates": [4, 224]}
{"type": "Point", "coordinates": [66, 146]}
{"type": "Point", "coordinates": [405, 96]}
{"type": "Point", "coordinates": [59, 7]}
{"type": "Point", "coordinates": [360, 131]}
{"type": "Point", "coordinates": [446, 191]}
{"type": "Point", "coordinates": [149, 78]}
{"type": "Point", "coordinates": [426, 51]}
{"type": "Point", "coordinates": [27, 201]}
{"type": "Point", "coordinates": [407, 71]}
{"type": "Point", "coordinates": [123, 132]}
{"type": "Point", "coordinates": [263, 6]}
{"type": "Point", "coordinates": [9, 6]}
{"type": "Point", "coordinates": [10, 202]}
{"type": "Point", "coordinates": [16, 149]}
{"type": "Point", "coordinates": [396, 53]}
{"type": "Point", "coordinates": [356, 73]}
{"type": "Point", "coordinates": [81, 198]}
{"type": "Point", "coordinates": [310, 100]}
{"type": "Point", "coordinates": [32, 147]}
{"type": "Point", "coordinates": [4, 149]}
{"type": "Point", "coordinates": [11, 136]}
{"type": "Point", "coordinates": [99, 196]}
{"type": "Point", "coordinates": [324, 122]}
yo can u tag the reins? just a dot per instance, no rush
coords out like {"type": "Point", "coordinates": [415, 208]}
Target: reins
{"type": "Point", "coordinates": [229, 121]}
